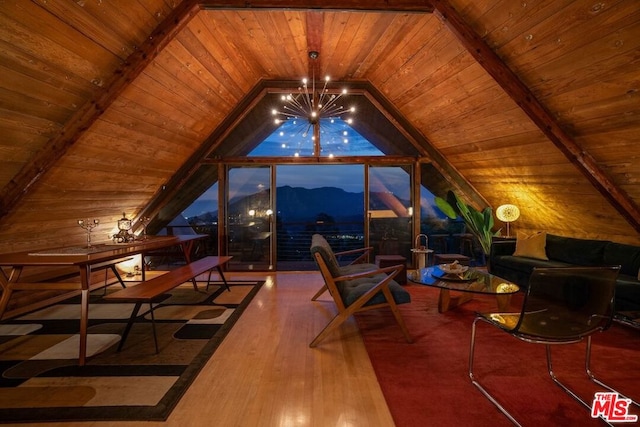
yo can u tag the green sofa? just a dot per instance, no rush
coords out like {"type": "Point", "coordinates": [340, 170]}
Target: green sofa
{"type": "Point", "coordinates": [568, 251]}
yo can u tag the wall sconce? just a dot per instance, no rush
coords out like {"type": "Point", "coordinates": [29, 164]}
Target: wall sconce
{"type": "Point", "coordinates": [507, 214]}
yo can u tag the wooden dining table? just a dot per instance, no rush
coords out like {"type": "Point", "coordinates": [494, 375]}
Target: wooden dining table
{"type": "Point", "coordinates": [84, 259]}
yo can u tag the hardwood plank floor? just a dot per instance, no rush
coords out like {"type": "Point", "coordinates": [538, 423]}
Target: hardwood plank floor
{"type": "Point", "coordinates": [265, 374]}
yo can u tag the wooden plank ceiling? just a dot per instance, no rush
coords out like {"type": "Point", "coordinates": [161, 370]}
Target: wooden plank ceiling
{"type": "Point", "coordinates": [103, 104]}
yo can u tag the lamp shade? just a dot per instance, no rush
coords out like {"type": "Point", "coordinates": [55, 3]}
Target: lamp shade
{"type": "Point", "coordinates": [507, 213]}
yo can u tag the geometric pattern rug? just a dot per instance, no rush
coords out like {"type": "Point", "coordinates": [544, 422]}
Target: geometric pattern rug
{"type": "Point", "coordinates": [41, 380]}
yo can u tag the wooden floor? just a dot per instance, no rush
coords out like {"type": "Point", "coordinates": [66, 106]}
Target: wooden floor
{"type": "Point", "coordinates": [265, 374]}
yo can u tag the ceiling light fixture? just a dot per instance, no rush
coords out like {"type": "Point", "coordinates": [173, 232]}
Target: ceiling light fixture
{"type": "Point", "coordinates": [314, 104]}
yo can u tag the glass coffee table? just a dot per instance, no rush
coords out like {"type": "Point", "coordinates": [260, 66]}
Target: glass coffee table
{"type": "Point", "coordinates": [472, 281]}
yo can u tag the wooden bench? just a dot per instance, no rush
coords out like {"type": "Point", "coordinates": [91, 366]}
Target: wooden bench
{"type": "Point", "coordinates": [151, 289]}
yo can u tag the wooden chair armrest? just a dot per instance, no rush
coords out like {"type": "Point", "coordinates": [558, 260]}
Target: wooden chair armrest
{"type": "Point", "coordinates": [393, 269]}
{"type": "Point", "coordinates": [359, 259]}
{"type": "Point", "coordinates": [354, 251]}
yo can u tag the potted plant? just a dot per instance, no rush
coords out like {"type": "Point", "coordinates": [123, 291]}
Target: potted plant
{"type": "Point", "coordinates": [478, 223]}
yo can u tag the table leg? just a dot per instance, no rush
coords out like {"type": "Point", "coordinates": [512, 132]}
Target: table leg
{"type": "Point", "coordinates": [7, 290]}
{"type": "Point", "coordinates": [84, 322]}
{"type": "Point", "coordinates": [85, 277]}
{"type": "Point", "coordinates": [447, 302]}
{"type": "Point", "coordinates": [187, 248]}
{"type": "Point", "coordinates": [504, 301]}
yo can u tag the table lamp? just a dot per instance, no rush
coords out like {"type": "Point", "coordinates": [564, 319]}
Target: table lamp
{"type": "Point", "coordinates": [507, 214]}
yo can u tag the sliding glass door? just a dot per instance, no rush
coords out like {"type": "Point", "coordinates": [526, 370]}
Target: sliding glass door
{"type": "Point", "coordinates": [323, 199]}
{"type": "Point", "coordinates": [351, 205]}
{"type": "Point", "coordinates": [390, 210]}
{"type": "Point", "coordinates": [250, 214]}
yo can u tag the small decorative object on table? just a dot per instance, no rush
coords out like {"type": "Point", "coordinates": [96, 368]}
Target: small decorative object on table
{"type": "Point", "coordinates": [421, 253]}
{"type": "Point", "coordinates": [124, 235]}
{"type": "Point", "coordinates": [454, 268]}
{"type": "Point", "coordinates": [144, 220]}
{"type": "Point", "coordinates": [88, 226]}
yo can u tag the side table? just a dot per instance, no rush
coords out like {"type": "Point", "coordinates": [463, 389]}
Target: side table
{"type": "Point", "coordinates": [389, 260]}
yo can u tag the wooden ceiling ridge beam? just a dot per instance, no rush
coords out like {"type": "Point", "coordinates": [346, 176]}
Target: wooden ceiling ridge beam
{"type": "Point", "coordinates": [423, 6]}
{"type": "Point", "coordinates": [82, 120]}
{"type": "Point", "coordinates": [537, 112]}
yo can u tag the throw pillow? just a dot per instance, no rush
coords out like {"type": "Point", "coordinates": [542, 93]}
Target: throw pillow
{"type": "Point", "coordinates": [532, 246]}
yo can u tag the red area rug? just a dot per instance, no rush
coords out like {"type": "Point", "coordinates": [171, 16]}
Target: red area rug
{"type": "Point", "coordinates": [427, 384]}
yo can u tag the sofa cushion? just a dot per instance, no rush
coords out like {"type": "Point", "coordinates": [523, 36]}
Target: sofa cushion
{"type": "Point", "coordinates": [625, 255]}
{"type": "Point", "coordinates": [576, 251]}
{"type": "Point", "coordinates": [526, 264]}
{"type": "Point", "coordinates": [351, 290]}
{"type": "Point", "coordinates": [627, 293]}
{"type": "Point", "coordinates": [531, 246]}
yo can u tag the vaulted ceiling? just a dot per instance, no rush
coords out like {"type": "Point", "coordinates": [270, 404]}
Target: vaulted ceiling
{"type": "Point", "coordinates": [115, 106]}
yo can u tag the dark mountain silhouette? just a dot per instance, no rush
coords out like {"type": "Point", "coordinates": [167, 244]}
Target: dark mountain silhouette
{"type": "Point", "coordinates": [297, 204]}
{"type": "Point", "coordinates": [300, 204]}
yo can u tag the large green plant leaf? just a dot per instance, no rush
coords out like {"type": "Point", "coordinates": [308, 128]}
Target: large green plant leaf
{"type": "Point", "coordinates": [446, 208]}
{"type": "Point", "coordinates": [478, 223]}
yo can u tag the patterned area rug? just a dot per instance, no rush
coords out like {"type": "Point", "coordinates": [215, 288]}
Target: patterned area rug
{"type": "Point", "coordinates": [41, 380]}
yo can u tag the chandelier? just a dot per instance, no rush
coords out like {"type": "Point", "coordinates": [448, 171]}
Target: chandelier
{"type": "Point", "coordinates": [313, 105]}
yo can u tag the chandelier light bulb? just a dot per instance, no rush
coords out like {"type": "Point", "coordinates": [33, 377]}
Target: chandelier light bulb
{"type": "Point", "coordinates": [315, 104]}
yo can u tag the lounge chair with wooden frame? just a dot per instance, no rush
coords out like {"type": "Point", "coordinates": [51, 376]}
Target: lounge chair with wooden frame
{"type": "Point", "coordinates": [358, 291]}
{"type": "Point", "coordinates": [360, 263]}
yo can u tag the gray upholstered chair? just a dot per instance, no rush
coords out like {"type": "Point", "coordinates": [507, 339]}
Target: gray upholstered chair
{"type": "Point", "coordinates": [367, 289]}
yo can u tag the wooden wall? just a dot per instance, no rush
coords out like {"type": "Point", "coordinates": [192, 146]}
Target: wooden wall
{"type": "Point", "coordinates": [84, 84]}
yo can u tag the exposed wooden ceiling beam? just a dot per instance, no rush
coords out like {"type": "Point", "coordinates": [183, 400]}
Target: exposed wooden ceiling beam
{"type": "Point", "coordinates": [315, 24]}
{"type": "Point", "coordinates": [537, 112]}
{"type": "Point", "coordinates": [91, 111]}
{"type": "Point", "coordinates": [424, 6]}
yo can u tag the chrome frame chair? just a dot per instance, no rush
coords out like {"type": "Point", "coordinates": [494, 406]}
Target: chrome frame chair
{"type": "Point", "coordinates": [561, 306]}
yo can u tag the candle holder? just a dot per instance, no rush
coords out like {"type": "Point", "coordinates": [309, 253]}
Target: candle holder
{"type": "Point", "coordinates": [88, 226]}
{"type": "Point", "coordinates": [144, 220]}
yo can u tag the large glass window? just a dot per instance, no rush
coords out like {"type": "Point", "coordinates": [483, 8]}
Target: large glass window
{"type": "Point", "coordinates": [249, 217]}
{"type": "Point", "coordinates": [390, 210]}
{"type": "Point", "coordinates": [294, 138]}
{"type": "Point", "coordinates": [324, 199]}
